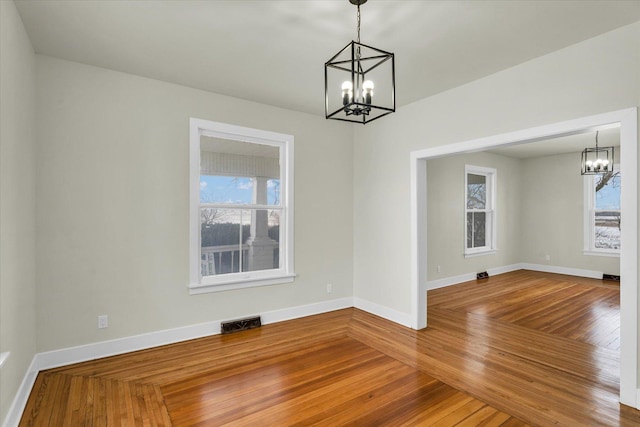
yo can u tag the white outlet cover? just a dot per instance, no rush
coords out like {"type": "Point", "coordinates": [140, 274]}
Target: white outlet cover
{"type": "Point", "coordinates": [103, 321]}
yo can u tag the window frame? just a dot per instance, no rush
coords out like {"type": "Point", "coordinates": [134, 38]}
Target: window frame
{"type": "Point", "coordinates": [589, 209]}
{"type": "Point", "coordinates": [285, 273]}
{"type": "Point", "coordinates": [490, 210]}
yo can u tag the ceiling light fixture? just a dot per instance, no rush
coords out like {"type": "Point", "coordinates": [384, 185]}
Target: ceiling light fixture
{"type": "Point", "coordinates": [597, 160]}
{"type": "Point", "coordinates": [350, 77]}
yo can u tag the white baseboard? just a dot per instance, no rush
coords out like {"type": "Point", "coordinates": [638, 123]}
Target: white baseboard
{"type": "Point", "coordinates": [67, 356]}
{"type": "Point", "coordinates": [449, 281]}
{"type": "Point", "coordinates": [403, 319]}
{"type": "Point", "coordinates": [83, 353]}
{"type": "Point", "coordinates": [20, 401]}
{"type": "Point", "coordinates": [454, 280]}
{"type": "Point", "coordinates": [592, 274]}
{"type": "Point", "coordinates": [504, 269]}
{"type": "Point", "coordinates": [306, 310]}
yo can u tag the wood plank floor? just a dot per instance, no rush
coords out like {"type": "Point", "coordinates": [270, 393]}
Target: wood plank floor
{"type": "Point", "coordinates": [484, 360]}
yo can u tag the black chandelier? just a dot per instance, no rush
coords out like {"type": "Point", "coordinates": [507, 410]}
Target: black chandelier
{"type": "Point", "coordinates": [350, 77]}
{"type": "Point", "coordinates": [597, 160]}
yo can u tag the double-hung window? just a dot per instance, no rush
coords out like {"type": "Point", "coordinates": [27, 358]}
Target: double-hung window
{"type": "Point", "coordinates": [602, 213]}
{"type": "Point", "coordinates": [480, 214]}
{"type": "Point", "coordinates": [241, 215]}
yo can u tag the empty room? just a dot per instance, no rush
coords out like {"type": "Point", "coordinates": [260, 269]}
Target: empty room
{"type": "Point", "coordinates": [320, 212]}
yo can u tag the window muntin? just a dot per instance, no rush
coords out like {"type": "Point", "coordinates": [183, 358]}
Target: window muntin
{"type": "Point", "coordinates": [479, 210]}
{"type": "Point", "coordinates": [241, 207]}
{"type": "Point", "coordinates": [602, 214]}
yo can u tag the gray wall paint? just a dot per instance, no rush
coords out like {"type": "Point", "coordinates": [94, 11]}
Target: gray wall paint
{"type": "Point", "coordinates": [552, 215]}
{"type": "Point", "coordinates": [563, 85]}
{"type": "Point", "coordinates": [446, 221]}
{"type": "Point", "coordinates": [17, 203]}
{"type": "Point", "coordinates": [113, 176]}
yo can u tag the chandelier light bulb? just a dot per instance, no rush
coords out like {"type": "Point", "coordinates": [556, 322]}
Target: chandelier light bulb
{"type": "Point", "coordinates": [347, 92]}
{"type": "Point", "coordinates": [367, 91]}
{"type": "Point", "coordinates": [598, 164]}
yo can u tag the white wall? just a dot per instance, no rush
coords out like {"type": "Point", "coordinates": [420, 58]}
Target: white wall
{"type": "Point", "coordinates": [595, 76]}
{"type": "Point", "coordinates": [113, 190]}
{"type": "Point", "coordinates": [446, 218]}
{"type": "Point", "coordinates": [17, 203]}
{"type": "Point", "coordinates": [552, 215]}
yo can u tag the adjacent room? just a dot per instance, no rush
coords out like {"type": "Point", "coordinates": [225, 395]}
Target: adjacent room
{"type": "Point", "coordinates": [187, 238]}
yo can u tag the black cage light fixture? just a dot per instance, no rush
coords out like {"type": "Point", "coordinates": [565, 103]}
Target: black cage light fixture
{"type": "Point", "coordinates": [359, 81]}
{"type": "Point", "coordinates": [597, 160]}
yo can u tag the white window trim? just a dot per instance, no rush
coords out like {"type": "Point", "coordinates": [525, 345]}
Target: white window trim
{"type": "Point", "coordinates": [492, 179]}
{"type": "Point", "coordinates": [589, 218]}
{"type": "Point", "coordinates": [284, 274]}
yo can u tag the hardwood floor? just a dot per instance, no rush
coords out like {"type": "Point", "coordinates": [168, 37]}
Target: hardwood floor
{"type": "Point", "coordinates": [518, 348]}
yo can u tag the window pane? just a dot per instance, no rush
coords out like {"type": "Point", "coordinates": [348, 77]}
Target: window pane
{"type": "Point", "coordinates": [222, 231]}
{"type": "Point", "coordinates": [476, 191]}
{"type": "Point", "coordinates": [469, 229]}
{"type": "Point", "coordinates": [479, 226]}
{"type": "Point", "coordinates": [608, 191]}
{"type": "Point", "coordinates": [607, 230]}
{"type": "Point", "coordinates": [235, 240]}
{"type": "Point", "coordinates": [239, 190]}
{"type": "Point", "coordinates": [237, 172]}
{"type": "Point", "coordinates": [273, 192]}
{"type": "Point", "coordinates": [226, 189]}
{"type": "Point", "coordinates": [476, 226]}
{"type": "Point", "coordinates": [263, 250]}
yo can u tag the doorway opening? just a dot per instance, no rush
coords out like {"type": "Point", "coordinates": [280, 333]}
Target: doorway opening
{"type": "Point", "coordinates": [626, 120]}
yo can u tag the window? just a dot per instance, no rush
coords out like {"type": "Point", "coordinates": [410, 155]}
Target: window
{"type": "Point", "coordinates": [480, 215]}
{"type": "Point", "coordinates": [241, 215]}
{"type": "Point", "coordinates": [602, 214]}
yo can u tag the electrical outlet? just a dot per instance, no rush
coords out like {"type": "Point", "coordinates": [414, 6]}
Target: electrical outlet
{"type": "Point", "coordinates": [103, 321]}
{"type": "Point", "coordinates": [329, 288]}
{"type": "Point", "coordinates": [439, 269]}
{"type": "Point", "coordinates": [547, 257]}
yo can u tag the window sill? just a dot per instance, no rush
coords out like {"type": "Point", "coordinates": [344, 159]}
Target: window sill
{"type": "Point", "coordinates": [602, 253]}
{"type": "Point", "coordinates": [240, 283]}
{"type": "Point", "coordinates": [480, 253]}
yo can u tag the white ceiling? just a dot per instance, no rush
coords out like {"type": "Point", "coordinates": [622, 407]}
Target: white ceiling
{"type": "Point", "coordinates": [273, 52]}
{"type": "Point", "coordinates": [607, 137]}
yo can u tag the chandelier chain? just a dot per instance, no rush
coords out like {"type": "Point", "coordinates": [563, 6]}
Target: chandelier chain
{"type": "Point", "coordinates": [358, 22]}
